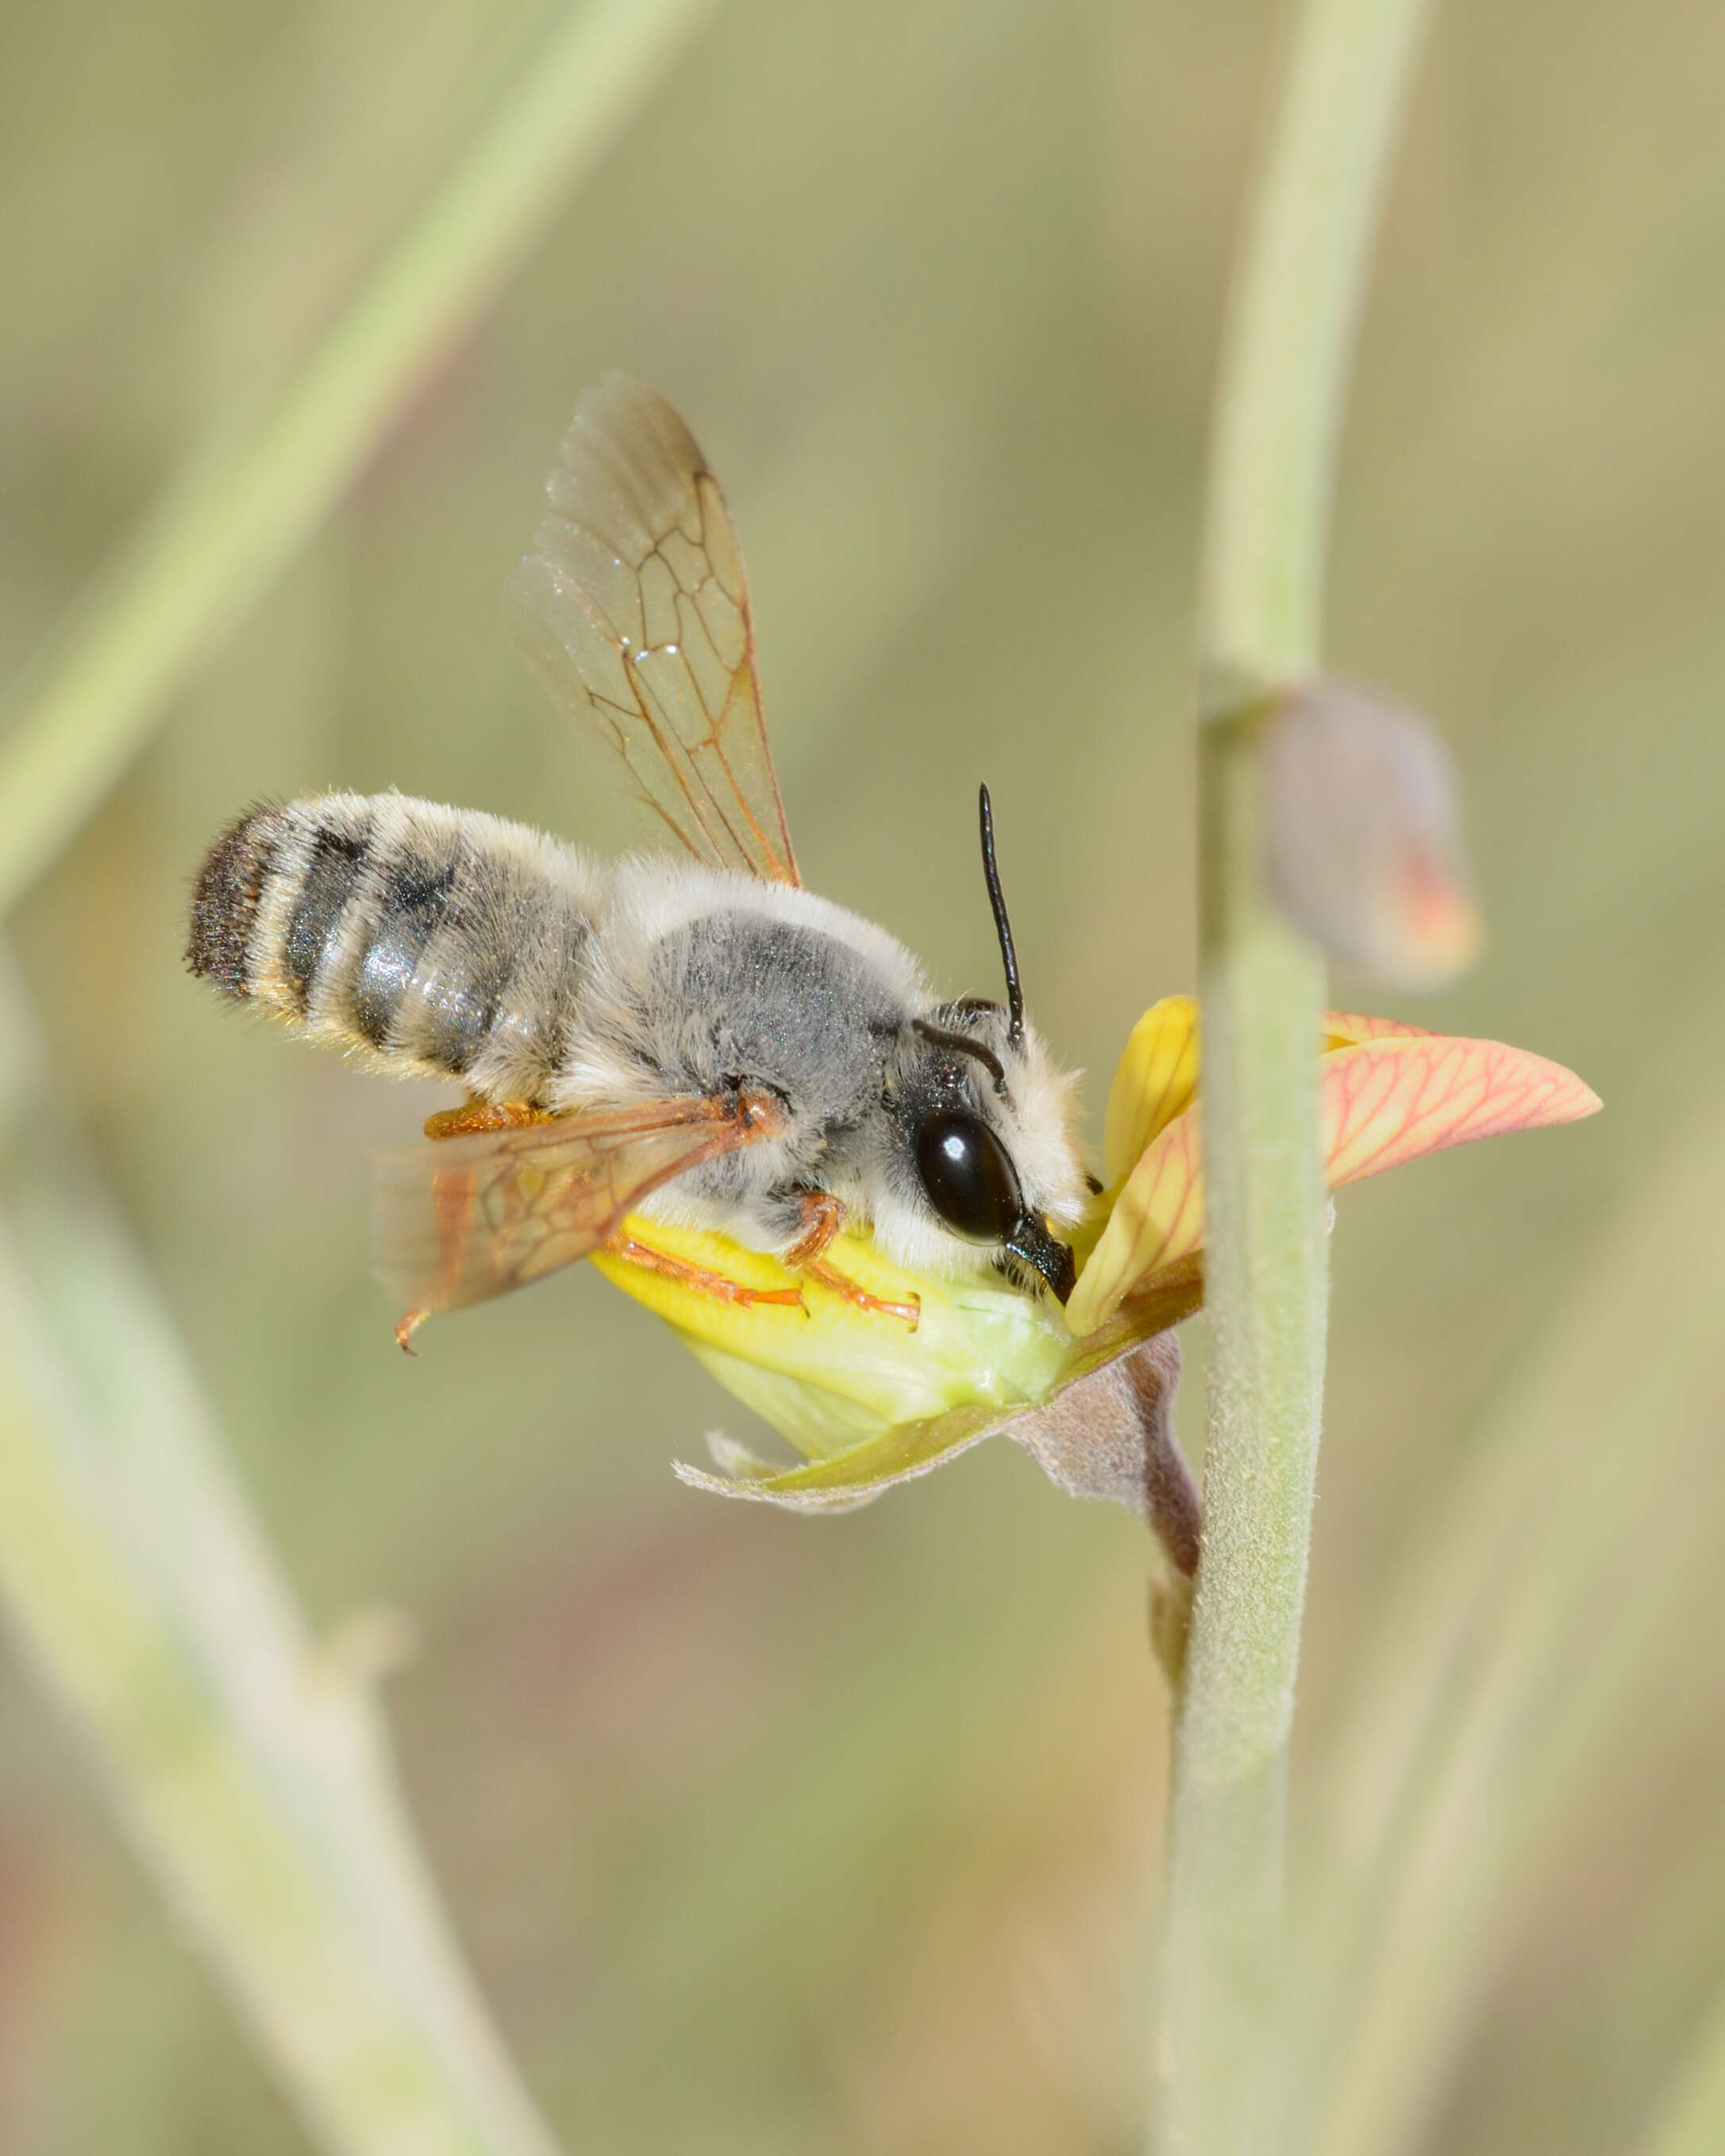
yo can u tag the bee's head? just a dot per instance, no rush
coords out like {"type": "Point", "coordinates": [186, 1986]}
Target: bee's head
{"type": "Point", "coordinates": [983, 1119]}
{"type": "Point", "coordinates": [983, 1116]}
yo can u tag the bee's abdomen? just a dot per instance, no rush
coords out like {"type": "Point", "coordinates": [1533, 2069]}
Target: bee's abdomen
{"type": "Point", "coordinates": [434, 940]}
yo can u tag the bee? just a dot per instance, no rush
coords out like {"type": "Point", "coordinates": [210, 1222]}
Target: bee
{"type": "Point", "coordinates": [702, 1039]}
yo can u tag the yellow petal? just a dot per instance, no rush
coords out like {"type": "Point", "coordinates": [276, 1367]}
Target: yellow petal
{"type": "Point", "coordinates": [1153, 1081]}
{"type": "Point", "coordinates": [854, 1476]}
{"type": "Point", "coordinates": [826, 1373]}
{"type": "Point", "coordinates": [1088, 1434]}
{"type": "Point", "coordinates": [1156, 1220]}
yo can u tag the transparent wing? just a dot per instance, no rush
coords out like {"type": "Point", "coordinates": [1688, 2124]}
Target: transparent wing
{"type": "Point", "coordinates": [460, 1219]}
{"type": "Point", "coordinates": [635, 613]}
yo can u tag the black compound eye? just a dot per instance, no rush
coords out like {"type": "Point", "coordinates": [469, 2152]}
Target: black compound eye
{"type": "Point", "coordinates": [968, 1177]}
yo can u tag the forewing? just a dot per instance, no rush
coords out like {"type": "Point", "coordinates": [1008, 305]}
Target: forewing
{"type": "Point", "coordinates": [635, 613]}
{"type": "Point", "coordinates": [461, 1219]}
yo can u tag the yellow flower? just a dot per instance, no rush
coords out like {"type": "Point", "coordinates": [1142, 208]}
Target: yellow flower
{"type": "Point", "coordinates": [1387, 1094]}
{"type": "Point", "coordinates": [869, 1398]}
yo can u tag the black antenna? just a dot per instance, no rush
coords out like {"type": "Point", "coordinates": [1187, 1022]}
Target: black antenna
{"type": "Point", "coordinates": [1003, 927]}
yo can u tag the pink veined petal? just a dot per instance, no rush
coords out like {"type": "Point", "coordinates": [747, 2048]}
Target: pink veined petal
{"type": "Point", "coordinates": [1392, 1098]}
{"type": "Point", "coordinates": [1392, 1093]}
{"type": "Point", "coordinates": [1153, 1081]}
{"type": "Point", "coordinates": [1157, 1075]}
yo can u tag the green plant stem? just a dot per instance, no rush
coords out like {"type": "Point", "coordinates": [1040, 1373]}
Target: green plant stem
{"type": "Point", "coordinates": [1692, 2120]}
{"type": "Point", "coordinates": [242, 506]}
{"type": "Point", "coordinates": [1278, 422]}
{"type": "Point", "coordinates": [246, 1763]}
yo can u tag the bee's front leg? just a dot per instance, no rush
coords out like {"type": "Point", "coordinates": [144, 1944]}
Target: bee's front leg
{"type": "Point", "coordinates": [822, 1216]}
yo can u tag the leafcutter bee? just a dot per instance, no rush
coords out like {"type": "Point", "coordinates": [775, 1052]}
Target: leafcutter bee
{"type": "Point", "coordinates": [694, 1037]}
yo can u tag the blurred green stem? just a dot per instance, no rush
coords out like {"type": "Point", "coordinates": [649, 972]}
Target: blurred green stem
{"type": "Point", "coordinates": [1693, 2122]}
{"type": "Point", "coordinates": [1278, 422]}
{"type": "Point", "coordinates": [247, 1765]}
{"type": "Point", "coordinates": [235, 516]}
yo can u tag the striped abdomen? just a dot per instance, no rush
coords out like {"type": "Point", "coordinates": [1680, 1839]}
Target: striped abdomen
{"type": "Point", "coordinates": [435, 940]}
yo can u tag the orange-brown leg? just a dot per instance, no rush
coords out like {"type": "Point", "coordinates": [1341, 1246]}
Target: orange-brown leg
{"type": "Point", "coordinates": [830, 1277]}
{"type": "Point", "coordinates": [474, 1114]}
{"type": "Point", "coordinates": [822, 1216]}
{"type": "Point", "coordinates": [699, 1279]}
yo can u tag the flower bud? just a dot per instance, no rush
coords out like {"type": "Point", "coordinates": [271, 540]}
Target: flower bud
{"type": "Point", "coordinates": [1362, 837]}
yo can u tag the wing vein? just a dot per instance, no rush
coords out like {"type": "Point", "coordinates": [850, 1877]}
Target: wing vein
{"type": "Point", "coordinates": [632, 492]}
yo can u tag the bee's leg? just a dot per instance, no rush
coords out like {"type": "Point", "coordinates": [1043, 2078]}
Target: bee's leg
{"type": "Point", "coordinates": [474, 1114]}
{"type": "Point", "coordinates": [830, 1277]}
{"type": "Point", "coordinates": [699, 1279]}
{"type": "Point", "coordinates": [822, 1216]}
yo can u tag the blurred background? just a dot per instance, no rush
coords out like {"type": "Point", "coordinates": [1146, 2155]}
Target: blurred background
{"type": "Point", "coordinates": [768, 1834]}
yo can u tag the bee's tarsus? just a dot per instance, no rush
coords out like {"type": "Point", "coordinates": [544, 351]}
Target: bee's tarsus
{"type": "Point", "coordinates": [841, 1284]}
